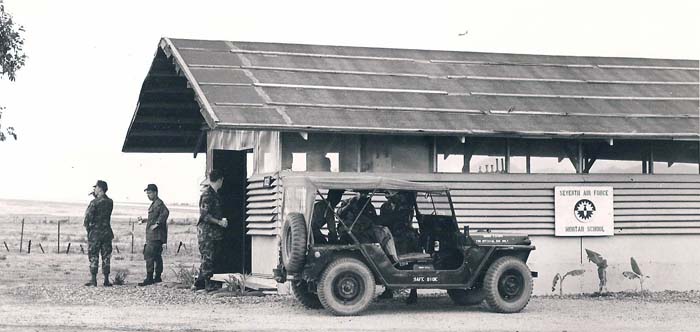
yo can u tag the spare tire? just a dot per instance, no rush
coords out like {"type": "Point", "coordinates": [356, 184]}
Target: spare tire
{"type": "Point", "coordinates": [293, 246]}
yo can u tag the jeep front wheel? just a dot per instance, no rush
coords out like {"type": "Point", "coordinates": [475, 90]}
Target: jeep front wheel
{"type": "Point", "coordinates": [346, 287]}
{"type": "Point", "coordinates": [293, 246]}
{"type": "Point", "coordinates": [300, 290]}
{"type": "Point", "coordinates": [508, 285]}
{"type": "Point", "coordinates": [472, 296]}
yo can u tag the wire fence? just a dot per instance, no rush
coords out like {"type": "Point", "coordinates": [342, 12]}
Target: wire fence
{"type": "Point", "coordinates": [68, 242]}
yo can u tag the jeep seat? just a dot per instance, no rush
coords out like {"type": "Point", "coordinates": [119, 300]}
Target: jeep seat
{"type": "Point", "coordinates": [415, 257]}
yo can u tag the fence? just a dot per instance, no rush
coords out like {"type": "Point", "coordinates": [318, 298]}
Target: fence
{"type": "Point", "coordinates": [42, 242]}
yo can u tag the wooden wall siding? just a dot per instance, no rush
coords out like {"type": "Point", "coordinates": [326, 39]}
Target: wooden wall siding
{"type": "Point", "coordinates": [262, 207]}
{"type": "Point", "coordinates": [643, 204]}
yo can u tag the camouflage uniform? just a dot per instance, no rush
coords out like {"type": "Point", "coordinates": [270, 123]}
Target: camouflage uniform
{"type": "Point", "coordinates": [323, 215]}
{"type": "Point", "coordinates": [365, 229]}
{"type": "Point", "coordinates": [209, 235]}
{"type": "Point", "coordinates": [157, 215]}
{"type": "Point", "coordinates": [397, 214]}
{"type": "Point", "coordinates": [99, 231]}
{"type": "Point", "coordinates": [362, 227]}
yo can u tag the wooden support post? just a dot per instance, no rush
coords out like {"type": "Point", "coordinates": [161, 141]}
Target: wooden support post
{"type": "Point", "coordinates": [42, 249]}
{"type": "Point", "coordinates": [29, 247]}
{"type": "Point", "coordinates": [506, 169]}
{"type": "Point", "coordinates": [651, 158]}
{"type": "Point", "coordinates": [21, 236]}
{"type": "Point", "coordinates": [468, 150]}
{"type": "Point", "coordinates": [68, 249]}
{"type": "Point", "coordinates": [528, 169]}
{"type": "Point", "coordinates": [579, 162]}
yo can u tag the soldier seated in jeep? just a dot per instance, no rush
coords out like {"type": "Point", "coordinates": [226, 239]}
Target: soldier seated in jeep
{"type": "Point", "coordinates": [324, 215]}
{"type": "Point", "coordinates": [358, 215]}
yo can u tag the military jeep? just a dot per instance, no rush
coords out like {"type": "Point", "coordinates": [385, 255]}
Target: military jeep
{"type": "Point", "coordinates": [341, 277]}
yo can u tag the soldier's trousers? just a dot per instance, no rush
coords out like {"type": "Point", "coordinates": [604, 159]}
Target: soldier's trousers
{"type": "Point", "coordinates": [96, 249]}
{"type": "Point", "coordinates": [153, 255]}
{"type": "Point", "coordinates": [210, 252]}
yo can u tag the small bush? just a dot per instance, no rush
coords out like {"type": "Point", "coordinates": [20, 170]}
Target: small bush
{"type": "Point", "coordinates": [120, 277]}
{"type": "Point", "coordinates": [560, 279]}
{"type": "Point", "coordinates": [185, 275]}
{"type": "Point", "coordinates": [636, 273]}
{"type": "Point", "coordinates": [236, 283]}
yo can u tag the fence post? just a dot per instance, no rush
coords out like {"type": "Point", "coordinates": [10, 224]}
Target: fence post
{"type": "Point", "coordinates": [29, 247]}
{"type": "Point", "coordinates": [68, 249]}
{"type": "Point", "coordinates": [132, 235]}
{"type": "Point", "coordinates": [42, 248]}
{"type": "Point", "coordinates": [58, 238]}
{"type": "Point", "coordinates": [21, 236]}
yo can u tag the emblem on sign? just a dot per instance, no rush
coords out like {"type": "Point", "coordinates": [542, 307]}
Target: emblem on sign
{"type": "Point", "coordinates": [583, 210]}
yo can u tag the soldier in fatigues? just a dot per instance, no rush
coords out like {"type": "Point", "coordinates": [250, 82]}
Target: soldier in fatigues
{"type": "Point", "coordinates": [156, 236]}
{"type": "Point", "coordinates": [210, 229]}
{"type": "Point", "coordinates": [99, 232]}
{"type": "Point", "coordinates": [397, 214]}
{"type": "Point", "coordinates": [365, 227]}
{"type": "Point", "coordinates": [323, 216]}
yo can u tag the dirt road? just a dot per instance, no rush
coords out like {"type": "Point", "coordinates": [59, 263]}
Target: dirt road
{"type": "Point", "coordinates": [128, 308]}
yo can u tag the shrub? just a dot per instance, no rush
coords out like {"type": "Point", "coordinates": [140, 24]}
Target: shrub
{"type": "Point", "coordinates": [602, 264]}
{"type": "Point", "coordinates": [557, 278]}
{"type": "Point", "coordinates": [236, 283]}
{"type": "Point", "coordinates": [636, 273]}
{"type": "Point", "coordinates": [120, 277]}
{"type": "Point", "coordinates": [185, 275]}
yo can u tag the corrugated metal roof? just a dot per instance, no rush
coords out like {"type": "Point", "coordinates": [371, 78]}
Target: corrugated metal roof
{"type": "Point", "coordinates": [354, 89]}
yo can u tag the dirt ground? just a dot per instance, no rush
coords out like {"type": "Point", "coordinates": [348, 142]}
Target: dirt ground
{"type": "Point", "coordinates": [72, 307]}
{"type": "Point", "coordinates": [44, 292]}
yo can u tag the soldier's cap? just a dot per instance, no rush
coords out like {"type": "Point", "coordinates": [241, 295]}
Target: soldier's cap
{"type": "Point", "coordinates": [101, 184]}
{"type": "Point", "coordinates": [151, 187]}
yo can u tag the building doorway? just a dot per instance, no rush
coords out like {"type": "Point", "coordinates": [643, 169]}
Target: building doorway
{"type": "Point", "coordinates": [236, 256]}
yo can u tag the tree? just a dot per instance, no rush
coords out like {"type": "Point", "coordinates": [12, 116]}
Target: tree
{"type": "Point", "coordinates": [12, 56]}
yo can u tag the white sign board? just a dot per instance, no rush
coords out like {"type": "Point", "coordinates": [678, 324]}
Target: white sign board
{"type": "Point", "coordinates": [583, 211]}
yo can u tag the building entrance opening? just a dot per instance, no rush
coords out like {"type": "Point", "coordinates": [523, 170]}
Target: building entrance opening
{"type": "Point", "coordinates": [236, 256]}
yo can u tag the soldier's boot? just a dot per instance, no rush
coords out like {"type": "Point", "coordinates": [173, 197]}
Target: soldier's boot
{"type": "Point", "coordinates": [93, 280]}
{"type": "Point", "coordinates": [388, 294]}
{"type": "Point", "coordinates": [413, 297]}
{"type": "Point", "coordinates": [209, 285]}
{"type": "Point", "coordinates": [106, 283]}
{"type": "Point", "coordinates": [157, 278]}
{"type": "Point", "coordinates": [147, 281]}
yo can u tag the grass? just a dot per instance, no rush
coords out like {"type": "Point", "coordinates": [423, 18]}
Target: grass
{"type": "Point", "coordinates": [72, 268]}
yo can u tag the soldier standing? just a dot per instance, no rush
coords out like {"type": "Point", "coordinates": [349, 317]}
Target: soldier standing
{"type": "Point", "coordinates": [99, 232]}
{"type": "Point", "coordinates": [156, 236]}
{"type": "Point", "coordinates": [210, 229]}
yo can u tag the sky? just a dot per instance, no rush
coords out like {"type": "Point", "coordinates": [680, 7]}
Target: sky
{"type": "Point", "coordinates": [73, 101]}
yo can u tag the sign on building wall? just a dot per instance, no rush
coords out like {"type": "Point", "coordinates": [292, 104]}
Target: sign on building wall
{"type": "Point", "coordinates": [583, 211]}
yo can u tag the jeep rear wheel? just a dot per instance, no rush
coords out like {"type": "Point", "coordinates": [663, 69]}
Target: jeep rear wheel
{"type": "Point", "coordinates": [508, 285]}
{"type": "Point", "coordinates": [293, 244]}
{"type": "Point", "coordinates": [346, 287]}
{"type": "Point", "coordinates": [472, 296]}
{"type": "Point", "coordinates": [300, 290]}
